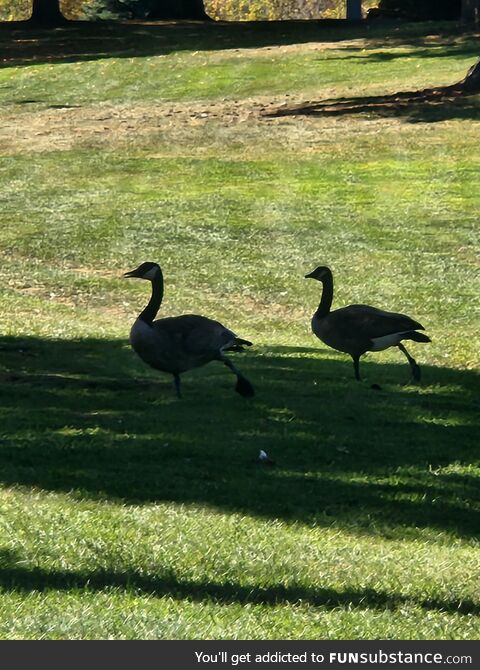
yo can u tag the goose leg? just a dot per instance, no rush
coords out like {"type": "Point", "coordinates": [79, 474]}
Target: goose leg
{"type": "Point", "coordinates": [356, 367]}
{"type": "Point", "coordinates": [414, 367]}
{"type": "Point", "coordinates": [242, 386]}
{"type": "Point", "coordinates": [176, 382]}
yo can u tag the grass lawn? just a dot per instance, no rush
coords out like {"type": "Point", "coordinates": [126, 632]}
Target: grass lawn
{"type": "Point", "coordinates": [126, 513]}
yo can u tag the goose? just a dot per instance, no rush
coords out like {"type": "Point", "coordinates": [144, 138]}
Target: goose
{"type": "Point", "coordinates": [180, 343]}
{"type": "Point", "coordinates": [357, 329]}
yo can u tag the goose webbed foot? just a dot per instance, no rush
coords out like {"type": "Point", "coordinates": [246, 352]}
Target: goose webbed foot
{"type": "Point", "coordinates": [176, 382]}
{"type": "Point", "coordinates": [243, 386]}
{"type": "Point", "coordinates": [356, 367]}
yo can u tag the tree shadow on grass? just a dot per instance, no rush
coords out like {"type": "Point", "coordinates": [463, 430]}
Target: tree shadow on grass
{"type": "Point", "coordinates": [85, 417]}
{"type": "Point", "coordinates": [441, 47]}
{"type": "Point", "coordinates": [426, 106]}
{"type": "Point", "coordinates": [16, 577]}
{"type": "Point", "coordinates": [81, 41]}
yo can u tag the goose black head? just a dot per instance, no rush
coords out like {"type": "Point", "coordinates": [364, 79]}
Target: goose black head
{"type": "Point", "coordinates": [146, 270]}
{"type": "Point", "coordinates": [319, 273]}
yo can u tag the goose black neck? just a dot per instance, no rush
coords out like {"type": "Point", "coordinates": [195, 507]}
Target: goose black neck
{"type": "Point", "coordinates": [327, 296]}
{"type": "Point", "coordinates": [150, 311]}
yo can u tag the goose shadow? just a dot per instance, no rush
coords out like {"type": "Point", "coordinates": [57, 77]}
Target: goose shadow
{"type": "Point", "coordinates": [84, 416]}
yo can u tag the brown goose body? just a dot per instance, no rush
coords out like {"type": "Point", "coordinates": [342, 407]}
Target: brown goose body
{"type": "Point", "coordinates": [356, 329]}
{"type": "Point", "coordinates": [180, 343]}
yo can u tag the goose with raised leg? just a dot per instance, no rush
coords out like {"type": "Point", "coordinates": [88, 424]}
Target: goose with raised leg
{"type": "Point", "coordinates": [357, 329]}
{"type": "Point", "coordinates": [180, 343]}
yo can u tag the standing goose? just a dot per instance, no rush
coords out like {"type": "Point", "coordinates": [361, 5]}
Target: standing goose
{"type": "Point", "coordinates": [180, 343]}
{"type": "Point", "coordinates": [357, 329]}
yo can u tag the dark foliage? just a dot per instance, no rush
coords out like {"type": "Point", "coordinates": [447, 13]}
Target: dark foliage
{"type": "Point", "coordinates": [151, 9]}
{"type": "Point", "coordinates": [418, 10]}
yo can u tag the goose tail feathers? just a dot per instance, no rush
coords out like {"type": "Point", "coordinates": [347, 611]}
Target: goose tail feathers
{"type": "Point", "coordinates": [239, 341]}
{"type": "Point", "coordinates": [417, 337]}
{"type": "Point", "coordinates": [238, 345]}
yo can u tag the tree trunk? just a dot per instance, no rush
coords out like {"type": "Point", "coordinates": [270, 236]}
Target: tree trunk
{"type": "Point", "coordinates": [471, 11]}
{"type": "Point", "coordinates": [179, 9]}
{"type": "Point", "coordinates": [471, 83]}
{"type": "Point", "coordinates": [47, 12]}
{"type": "Point", "coordinates": [354, 10]}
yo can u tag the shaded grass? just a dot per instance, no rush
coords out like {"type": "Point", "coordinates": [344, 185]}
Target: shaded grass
{"type": "Point", "coordinates": [369, 519]}
{"type": "Point", "coordinates": [126, 513]}
{"type": "Point", "coordinates": [219, 593]}
{"type": "Point", "coordinates": [75, 42]}
{"type": "Point", "coordinates": [380, 459]}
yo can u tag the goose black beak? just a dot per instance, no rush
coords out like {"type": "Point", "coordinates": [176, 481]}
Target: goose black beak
{"type": "Point", "coordinates": [309, 276]}
{"type": "Point", "coordinates": [129, 275]}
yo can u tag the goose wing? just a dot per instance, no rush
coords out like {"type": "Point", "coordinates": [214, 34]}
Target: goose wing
{"type": "Point", "coordinates": [371, 322]}
{"type": "Point", "coordinates": [197, 335]}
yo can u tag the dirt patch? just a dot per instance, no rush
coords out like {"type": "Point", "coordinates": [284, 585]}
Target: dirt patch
{"type": "Point", "coordinates": [32, 127]}
{"type": "Point", "coordinates": [65, 128]}
{"type": "Point", "coordinates": [300, 47]}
